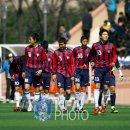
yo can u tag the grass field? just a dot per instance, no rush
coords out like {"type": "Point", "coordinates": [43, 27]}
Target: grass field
{"type": "Point", "coordinates": [10, 120]}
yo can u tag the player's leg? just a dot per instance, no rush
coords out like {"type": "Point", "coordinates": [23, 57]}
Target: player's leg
{"type": "Point", "coordinates": [106, 82]}
{"type": "Point", "coordinates": [60, 84]}
{"type": "Point", "coordinates": [46, 77]}
{"type": "Point", "coordinates": [106, 95]}
{"type": "Point", "coordinates": [84, 83]}
{"type": "Point", "coordinates": [113, 99]}
{"type": "Point", "coordinates": [23, 109]}
{"type": "Point", "coordinates": [36, 82]}
{"type": "Point", "coordinates": [97, 79]}
{"type": "Point", "coordinates": [27, 82]}
{"type": "Point", "coordinates": [17, 94]}
{"type": "Point", "coordinates": [100, 99]}
{"type": "Point", "coordinates": [77, 93]}
{"type": "Point", "coordinates": [113, 94]}
{"type": "Point", "coordinates": [67, 87]}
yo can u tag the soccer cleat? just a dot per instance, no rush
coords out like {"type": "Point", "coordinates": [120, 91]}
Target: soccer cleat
{"type": "Point", "coordinates": [100, 110]}
{"type": "Point", "coordinates": [96, 110]}
{"type": "Point", "coordinates": [30, 108]}
{"type": "Point", "coordinates": [24, 110]}
{"type": "Point", "coordinates": [7, 100]}
{"type": "Point", "coordinates": [103, 109]}
{"type": "Point", "coordinates": [11, 101]}
{"type": "Point", "coordinates": [76, 109]}
{"type": "Point", "coordinates": [16, 108]}
{"type": "Point", "coordinates": [113, 110]}
{"type": "Point", "coordinates": [81, 110]}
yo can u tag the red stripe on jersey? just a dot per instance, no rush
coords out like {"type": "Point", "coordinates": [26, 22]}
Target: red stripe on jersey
{"type": "Point", "coordinates": [106, 55]}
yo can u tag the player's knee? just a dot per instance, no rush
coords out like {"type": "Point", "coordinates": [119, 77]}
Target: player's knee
{"type": "Point", "coordinates": [16, 89]}
{"type": "Point", "coordinates": [46, 91]}
{"type": "Point", "coordinates": [37, 89]}
{"type": "Point", "coordinates": [67, 96]}
{"type": "Point", "coordinates": [26, 89]}
{"type": "Point", "coordinates": [83, 89]}
{"type": "Point", "coordinates": [106, 87]}
{"type": "Point", "coordinates": [112, 91]}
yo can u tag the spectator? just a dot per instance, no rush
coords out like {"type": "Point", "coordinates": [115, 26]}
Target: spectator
{"type": "Point", "coordinates": [106, 25]}
{"type": "Point", "coordinates": [63, 33]}
{"type": "Point", "coordinates": [122, 17]}
{"type": "Point", "coordinates": [87, 21]}
{"type": "Point", "coordinates": [127, 9]}
{"type": "Point", "coordinates": [113, 34]}
{"type": "Point", "coordinates": [111, 9]}
{"type": "Point", "coordinates": [9, 83]}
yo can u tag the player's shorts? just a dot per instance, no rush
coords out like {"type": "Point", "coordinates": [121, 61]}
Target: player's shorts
{"type": "Point", "coordinates": [63, 82]}
{"type": "Point", "coordinates": [46, 79]}
{"type": "Point", "coordinates": [102, 75]}
{"type": "Point", "coordinates": [31, 77]}
{"type": "Point", "coordinates": [82, 77]}
{"type": "Point", "coordinates": [18, 80]}
{"type": "Point", "coordinates": [112, 80]}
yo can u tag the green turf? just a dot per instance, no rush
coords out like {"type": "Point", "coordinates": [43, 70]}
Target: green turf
{"type": "Point", "coordinates": [10, 120]}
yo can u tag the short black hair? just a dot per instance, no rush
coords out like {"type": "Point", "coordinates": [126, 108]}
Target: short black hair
{"type": "Point", "coordinates": [62, 40]}
{"type": "Point", "coordinates": [35, 36]}
{"type": "Point", "coordinates": [102, 31]}
{"type": "Point", "coordinates": [83, 37]}
{"type": "Point", "coordinates": [44, 44]}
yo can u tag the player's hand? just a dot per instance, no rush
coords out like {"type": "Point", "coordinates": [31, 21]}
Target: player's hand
{"type": "Point", "coordinates": [92, 64]}
{"type": "Point", "coordinates": [121, 75]}
{"type": "Point", "coordinates": [72, 78]}
{"type": "Point", "coordinates": [39, 72]}
{"type": "Point", "coordinates": [113, 64]}
{"type": "Point", "coordinates": [23, 75]}
{"type": "Point", "coordinates": [54, 77]}
{"type": "Point", "coordinates": [12, 77]}
{"type": "Point", "coordinates": [84, 65]}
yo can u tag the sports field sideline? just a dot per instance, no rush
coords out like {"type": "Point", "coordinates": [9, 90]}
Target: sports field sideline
{"type": "Point", "coordinates": [10, 120]}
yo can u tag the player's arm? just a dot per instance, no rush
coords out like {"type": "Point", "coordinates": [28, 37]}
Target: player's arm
{"type": "Point", "coordinates": [72, 66]}
{"type": "Point", "coordinates": [114, 56]}
{"type": "Point", "coordinates": [54, 66]}
{"type": "Point", "coordinates": [91, 54]}
{"type": "Point", "coordinates": [121, 76]}
{"type": "Point", "coordinates": [44, 60]}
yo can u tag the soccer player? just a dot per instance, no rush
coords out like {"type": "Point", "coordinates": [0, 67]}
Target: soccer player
{"type": "Point", "coordinates": [81, 72]}
{"type": "Point", "coordinates": [46, 74]}
{"type": "Point", "coordinates": [17, 73]}
{"type": "Point", "coordinates": [35, 58]}
{"type": "Point", "coordinates": [105, 56]}
{"type": "Point", "coordinates": [63, 70]}
{"type": "Point", "coordinates": [112, 91]}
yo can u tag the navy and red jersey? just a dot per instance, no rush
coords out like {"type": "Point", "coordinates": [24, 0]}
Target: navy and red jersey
{"type": "Point", "coordinates": [16, 67]}
{"type": "Point", "coordinates": [103, 55]}
{"type": "Point", "coordinates": [35, 57]}
{"type": "Point", "coordinates": [48, 66]}
{"type": "Point", "coordinates": [63, 62]}
{"type": "Point", "coordinates": [81, 57]}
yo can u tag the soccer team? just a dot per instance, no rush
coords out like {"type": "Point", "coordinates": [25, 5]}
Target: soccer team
{"type": "Point", "coordinates": [64, 66]}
